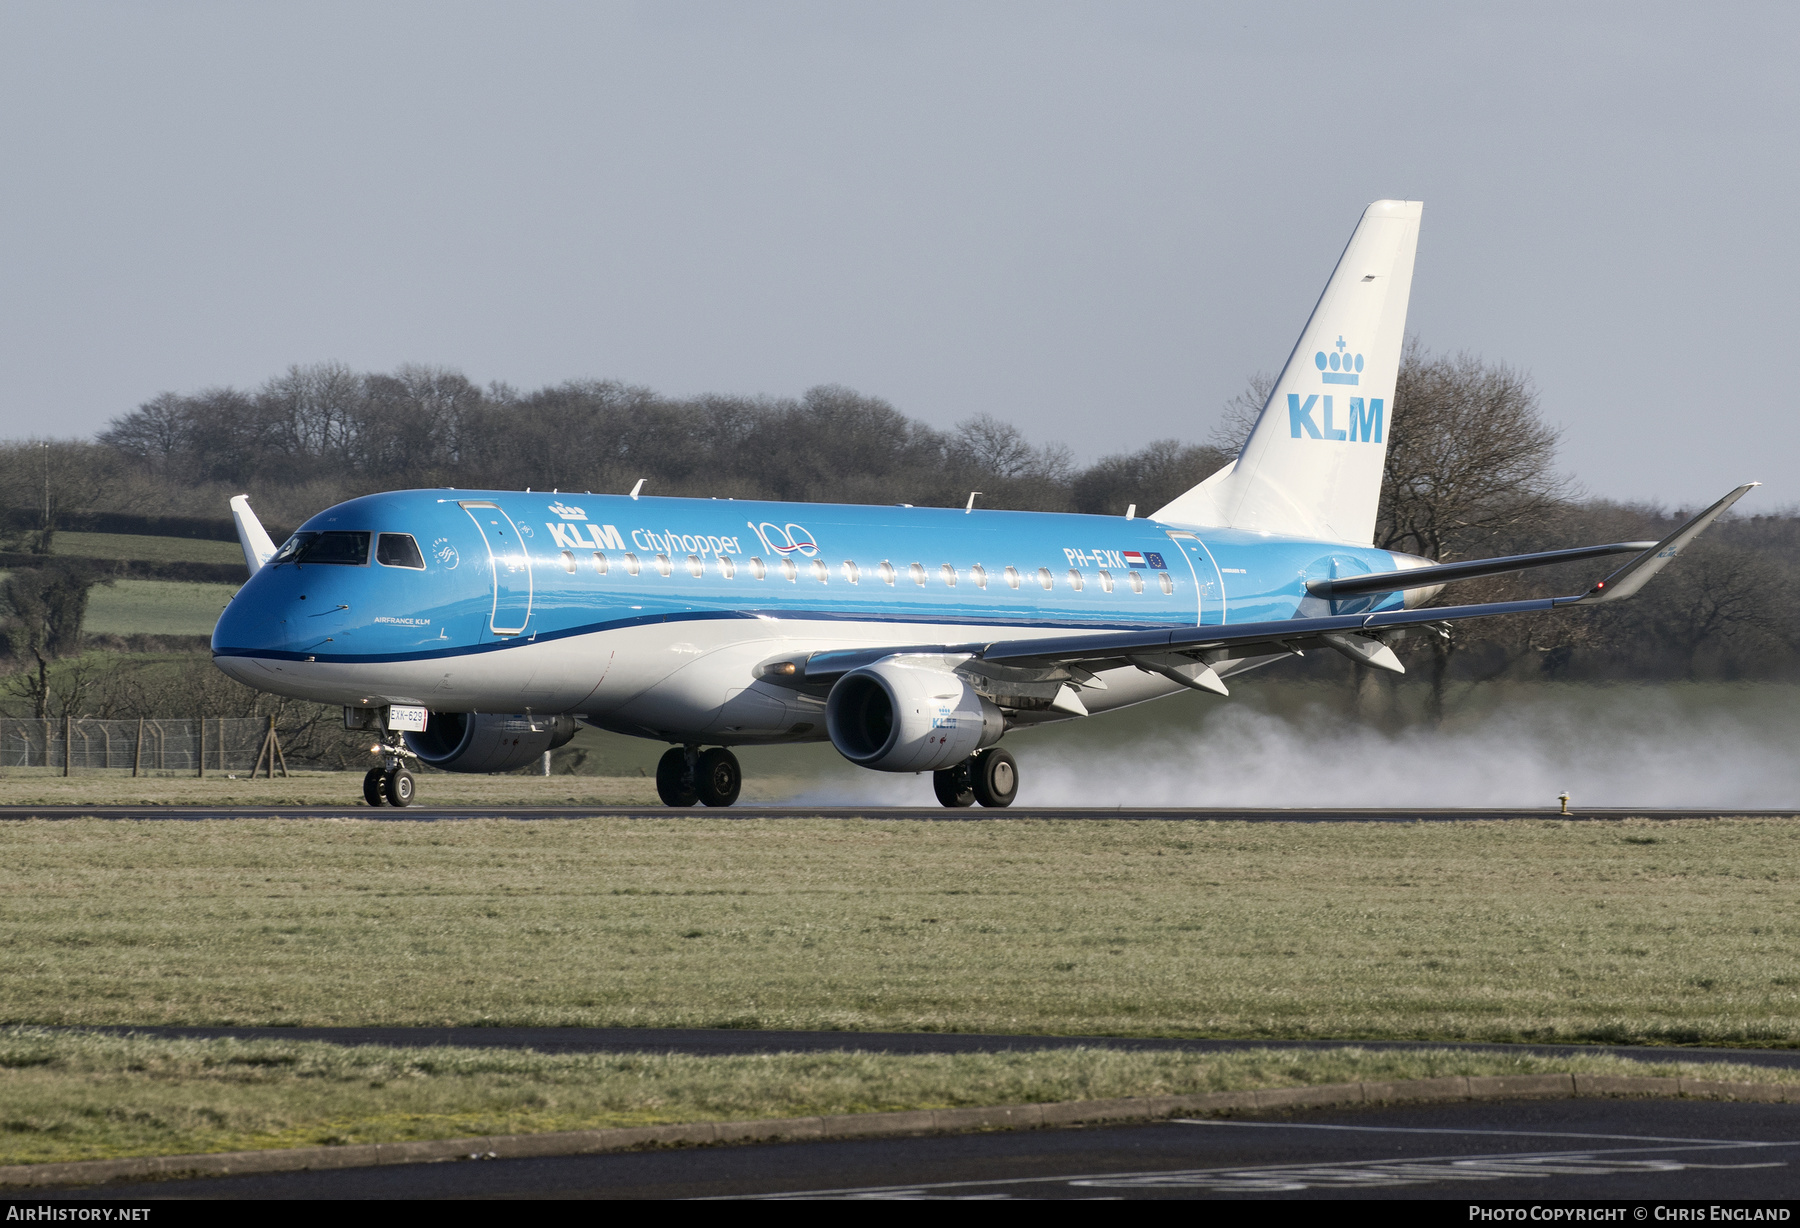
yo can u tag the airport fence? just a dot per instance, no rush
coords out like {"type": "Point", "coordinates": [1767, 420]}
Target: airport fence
{"type": "Point", "coordinates": [190, 745]}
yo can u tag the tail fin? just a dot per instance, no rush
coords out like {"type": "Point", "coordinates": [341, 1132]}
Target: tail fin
{"type": "Point", "coordinates": [1312, 465]}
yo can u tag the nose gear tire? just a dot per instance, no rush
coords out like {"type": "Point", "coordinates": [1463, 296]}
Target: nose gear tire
{"type": "Point", "coordinates": [674, 782]}
{"type": "Point", "coordinates": [397, 787]}
{"type": "Point", "coordinates": [995, 777]}
{"type": "Point", "coordinates": [372, 788]}
{"type": "Point", "coordinates": [719, 777]}
{"type": "Point", "coordinates": [954, 786]}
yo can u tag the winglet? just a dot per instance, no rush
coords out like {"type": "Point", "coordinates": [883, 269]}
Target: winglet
{"type": "Point", "coordinates": [1635, 574]}
{"type": "Point", "coordinates": [258, 549]}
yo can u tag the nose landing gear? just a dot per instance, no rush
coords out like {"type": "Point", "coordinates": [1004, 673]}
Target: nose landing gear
{"type": "Point", "coordinates": [390, 783]}
{"type": "Point", "coordinates": [686, 775]}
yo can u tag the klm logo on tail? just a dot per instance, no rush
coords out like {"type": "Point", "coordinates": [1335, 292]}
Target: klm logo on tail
{"type": "Point", "coordinates": [1364, 425]}
{"type": "Point", "coordinates": [1338, 367]}
{"type": "Point", "coordinates": [1345, 368]}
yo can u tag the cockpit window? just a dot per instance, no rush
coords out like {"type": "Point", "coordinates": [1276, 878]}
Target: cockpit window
{"type": "Point", "coordinates": [345, 549]}
{"type": "Point", "coordinates": [398, 550]}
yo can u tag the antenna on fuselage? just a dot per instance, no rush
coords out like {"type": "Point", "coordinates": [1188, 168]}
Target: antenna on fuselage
{"type": "Point", "coordinates": [638, 487]}
{"type": "Point", "coordinates": [971, 506]}
{"type": "Point", "coordinates": [1131, 512]}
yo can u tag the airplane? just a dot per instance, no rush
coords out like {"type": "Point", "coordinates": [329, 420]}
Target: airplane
{"type": "Point", "coordinates": [475, 630]}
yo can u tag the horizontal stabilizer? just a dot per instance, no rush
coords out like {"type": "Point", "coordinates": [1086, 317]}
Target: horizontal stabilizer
{"type": "Point", "coordinates": [1444, 573]}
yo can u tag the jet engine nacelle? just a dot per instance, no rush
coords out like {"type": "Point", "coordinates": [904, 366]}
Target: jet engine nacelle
{"type": "Point", "coordinates": [487, 741]}
{"type": "Point", "coordinates": [909, 715]}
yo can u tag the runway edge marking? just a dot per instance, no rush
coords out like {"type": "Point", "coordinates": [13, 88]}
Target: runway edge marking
{"type": "Point", "coordinates": [883, 1125]}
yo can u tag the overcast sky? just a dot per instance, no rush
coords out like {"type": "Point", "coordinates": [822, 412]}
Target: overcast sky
{"type": "Point", "coordinates": [1092, 220]}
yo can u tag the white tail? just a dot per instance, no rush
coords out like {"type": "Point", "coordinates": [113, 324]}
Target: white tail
{"type": "Point", "coordinates": [1312, 465]}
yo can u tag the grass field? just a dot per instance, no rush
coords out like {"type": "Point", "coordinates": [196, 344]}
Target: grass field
{"type": "Point", "coordinates": [143, 546]}
{"type": "Point", "coordinates": [85, 1096]}
{"type": "Point", "coordinates": [1615, 931]}
{"type": "Point", "coordinates": [155, 607]}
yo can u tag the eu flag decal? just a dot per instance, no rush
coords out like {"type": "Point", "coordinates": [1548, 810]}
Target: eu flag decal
{"type": "Point", "coordinates": [1154, 560]}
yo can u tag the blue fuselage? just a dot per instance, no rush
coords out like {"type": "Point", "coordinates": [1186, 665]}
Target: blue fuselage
{"type": "Point", "coordinates": [651, 614]}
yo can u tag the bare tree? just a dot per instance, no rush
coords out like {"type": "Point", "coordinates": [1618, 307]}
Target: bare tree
{"type": "Point", "coordinates": [1149, 477]}
{"type": "Point", "coordinates": [44, 608]}
{"type": "Point", "coordinates": [1470, 457]}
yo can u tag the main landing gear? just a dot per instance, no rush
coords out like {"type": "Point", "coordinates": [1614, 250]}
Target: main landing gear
{"type": "Point", "coordinates": [687, 774]}
{"type": "Point", "coordinates": [990, 777]}
{"type": "Point", "coordinates": [390, 784]}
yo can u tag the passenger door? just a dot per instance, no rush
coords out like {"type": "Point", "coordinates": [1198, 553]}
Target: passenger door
{"type": "Point", "coordinates": [1209, 583]}
{"type": "Point", "coordinates": [510, 565]}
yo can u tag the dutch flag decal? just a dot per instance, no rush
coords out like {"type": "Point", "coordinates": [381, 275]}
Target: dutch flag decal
{"type": "Point", "coordinates": [1133, 559]}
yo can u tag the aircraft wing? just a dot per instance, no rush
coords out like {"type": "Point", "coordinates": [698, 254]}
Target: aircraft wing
{"type": "Point", "coordinates": [1188, 655]}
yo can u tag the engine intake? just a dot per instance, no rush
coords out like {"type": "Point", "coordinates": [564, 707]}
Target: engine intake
{"type": "Point", "coordinates": [487, 741]}
{"type": "Point", "coordinates": [909, 715]}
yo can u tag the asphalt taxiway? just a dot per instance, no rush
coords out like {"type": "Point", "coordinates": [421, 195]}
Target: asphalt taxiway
{"type": "Point", "coordinates": [440, 814]}
{"type": "Point", "coordinates": [723, 1041]}
{"type": "Point", "coordinates": [1538, 1150]}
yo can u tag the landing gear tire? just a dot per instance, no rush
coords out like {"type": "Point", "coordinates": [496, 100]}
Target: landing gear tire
{"type": "Point", "coordinates": [718, 777]}
{"type": "Point", "coordinates": [675, 783]}
{"type": "Point", "coordinates": [995, 776]}
{"type": "Point", "coordinates": [372, 788]}
{"type": "Point", "coordinates": [954, 786]}
{"type": "Point", "coordinates": [397, 787]}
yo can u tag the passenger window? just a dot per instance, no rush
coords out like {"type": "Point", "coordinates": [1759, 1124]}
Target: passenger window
{"type": "Point", "coordinates": [949, 574]}
{"type": "Point", "coordinates": [1168, 585]}
{"type": "Point", "coordinates": [887, 572]}
{"type": "Point", "coordinates": [1012, 577]}
{"type": "Point", "coordinates": [727, 567]}
{"type": "Point", "coordinates": [631, 563]}
{"type": "Point", "coordinates": [398, 550]}
{"type": "Point", "coordinates": [1074, 579]}
{"type": "Point", "coordinates": [663, 565]}
{"type": "Point", "coordinates": [758, 568]}
{"type": "Point", "coordinates": [978, 573]}
{"type": "Point", "coordinates": [917, 572]}
{"type": "Point", "coordinates": [1137, 581]}
{"type": "Point", "coordinates": [568, 557]}
{"type": "Point", "coordinates": [1105, 580]}
{"type": "Point", "coordinates": [789, 572]}
{"type": "Point", "coordinates": [696, 568]}
{"type": "Point", "coordinates": [851, 572]}
{"type": "Point", "coordinates": [821, 573]}
{"type": "Point", "coordinates": [1045, 580]}
{"type": "Point", "coordinates": [599, 562]}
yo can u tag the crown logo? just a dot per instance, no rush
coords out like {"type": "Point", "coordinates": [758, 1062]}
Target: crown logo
{"type": "Point", "coordinates": [1339, 367]}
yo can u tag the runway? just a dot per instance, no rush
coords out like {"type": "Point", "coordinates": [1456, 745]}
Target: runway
{"type": "Point", "coordinates": [722, 1041]}
{"type": "Point", "coordinates": [1539, 1150]}
{"type": "Point", "coordinates": [444, 814]}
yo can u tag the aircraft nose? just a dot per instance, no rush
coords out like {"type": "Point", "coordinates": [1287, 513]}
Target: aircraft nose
{"type": "Point", "coordinates": [250, 625]}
